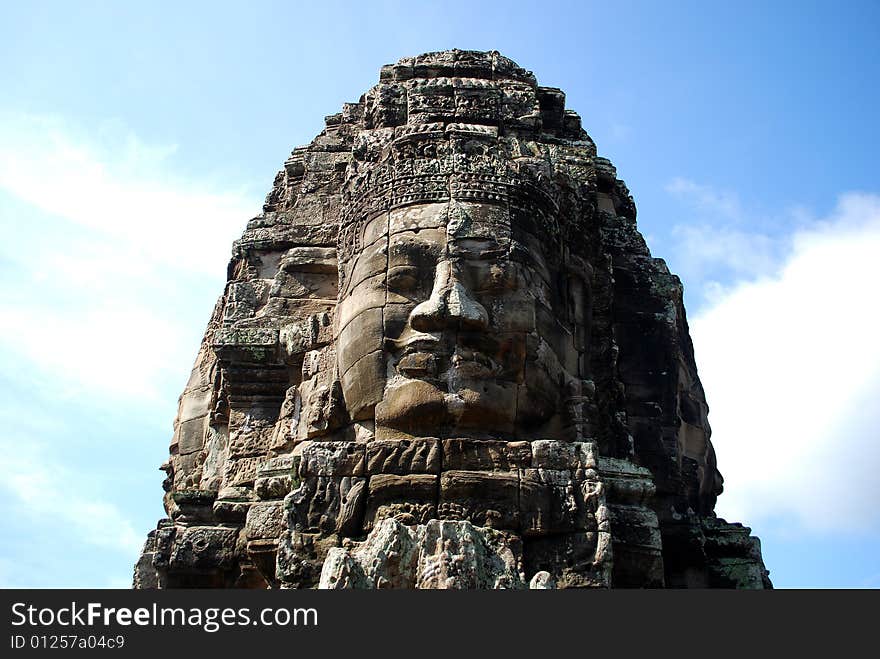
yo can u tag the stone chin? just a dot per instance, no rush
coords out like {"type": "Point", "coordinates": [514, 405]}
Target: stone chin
{"type": "Point", "coordinates": [476, 406]}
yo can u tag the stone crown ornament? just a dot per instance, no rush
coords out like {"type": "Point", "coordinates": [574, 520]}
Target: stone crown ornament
{"type": "Point", "coordinates": [445, 358]}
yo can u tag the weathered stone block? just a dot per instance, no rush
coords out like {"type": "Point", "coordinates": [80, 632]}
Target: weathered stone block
{"type": "Point", "coordinates": [241, 471]}
{"type": "Point", "coordinates": [635, 526]}
{"type": "Point", "coordinates": [300, 557]}
{"type": "Point", "coordinates": [204, 548]}
{"type": "Point", "coordinates": [361, 336]}
{"type": "Point", "coordinates": [195, 403]}
{"type": "Point", "coordinates": [485, 455]}
{"type": "Point", "coordinates": [273, 487]}
{"type": "Point", "coordinates": [403, 456]}
{"type": "Point", "coordinates": [436, 555]}
{"type": "Point", "coordinates": [327, 504]}
{"type": "Point", "coordinates": [578, 560]}
{"type": "Point", "coordinates": [264, 520]}
{"type": "Point", "coordinates": [191, 435]}
{"type": "Point", "coordinates": [250, 435]}
{"type": "Point", "coordinates": [484, 498]}
{"type": "Point", "coordinates": [555, 454]}
{"type": "Point", "coordinates": [625, 482]}
{"type": "Point", "coordinates": [277, 476]}
{"type": "Point", "coordinates": [363, 385]}
{"type": "Point", "coordinates": [310, 259]}
{"type": "Point", "coordinates": [410, 499]}
{"type": "Point", "coordinates": [232, 504]}
{"type": "Point", "coordinates": [332, 459]}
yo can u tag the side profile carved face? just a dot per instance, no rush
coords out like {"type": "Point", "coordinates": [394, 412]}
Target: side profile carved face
{"type": "Point", "coordinates": [453, 319]}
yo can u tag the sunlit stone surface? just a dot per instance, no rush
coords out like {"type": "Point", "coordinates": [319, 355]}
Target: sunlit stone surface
{"type": "Point", "coordinates": [445, 358]}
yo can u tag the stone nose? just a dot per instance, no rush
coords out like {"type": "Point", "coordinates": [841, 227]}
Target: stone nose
{"type": "Point", "coordinates": [450, 305]}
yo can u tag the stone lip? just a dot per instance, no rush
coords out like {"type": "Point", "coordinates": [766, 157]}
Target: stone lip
{"type": "Point", "coordinates": [444, 357]}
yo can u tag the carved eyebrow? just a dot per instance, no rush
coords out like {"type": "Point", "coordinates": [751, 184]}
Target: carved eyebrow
{"type": "Point", "coordinates": [410, 243]}
{"type": "Point", "coordinates": [477, 248]}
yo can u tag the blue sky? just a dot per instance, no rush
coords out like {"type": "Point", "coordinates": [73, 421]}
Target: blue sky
{"type": "Point", "coordinates": [136, 141]}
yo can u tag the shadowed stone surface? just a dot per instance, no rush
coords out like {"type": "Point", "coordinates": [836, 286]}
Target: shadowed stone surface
{"type": "Point", "coordinates": [445, 358]}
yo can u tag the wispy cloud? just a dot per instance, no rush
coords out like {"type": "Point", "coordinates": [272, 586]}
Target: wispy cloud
{"type": "Point", "coordinates": [104, 238]}
{"type": "Point", "coordinates": [120, 187]}
{"type": "Point", "coordinates": [620, 132]}
{"type": "Point", "coordinates": [791, 366]}
{"type": "Point", "coordinates": [718, 242]}
{"type": "Point", "coordinates": [872, 581]}
{"type": "Point", "coordinates": [708, 254]}
{"type": "Point", "coordinates": [42, 489]}
{"type": "Point", "coordinates": [107, 277]}
{"type": "Point", "coordinates": [721, 204]}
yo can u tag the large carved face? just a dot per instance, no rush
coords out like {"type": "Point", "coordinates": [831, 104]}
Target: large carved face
{"type": "Point", "coordinates": [452, 318]}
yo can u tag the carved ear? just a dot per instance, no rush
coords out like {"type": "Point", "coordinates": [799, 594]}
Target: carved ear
{"type": "Point", "coordinates": [364, 386]}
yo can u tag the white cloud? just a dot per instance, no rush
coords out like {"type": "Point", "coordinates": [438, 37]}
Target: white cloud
{"type": "Point", "coordinates": [620, 132]}
{"type": "Point", "coordinates": [108, 273]}
{"type": "Point", "coordinates": [791, 366]}
{"type": "Point", "coordinates": [873, 581]}
{"type": "Point", "coordinates": [718, 245]}
{"type": "Point", "coordinates": [42, 490]}
{"type": "Point", "coordinates": [704, 251]}
{"type": "Point", "coordinates": [120, 187]}
{"type": "Point", "coordinates": [706, 199]}
{"type": "Point", "coordinates": [125, 254]}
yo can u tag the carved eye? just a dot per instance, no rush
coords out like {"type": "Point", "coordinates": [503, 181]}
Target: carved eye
{"type": "Point", "coordinates": [403, 278]}
{"type": "Point", "coordinates": [503, 276]}
{"type": "Point", "coordinates": [498, 277]}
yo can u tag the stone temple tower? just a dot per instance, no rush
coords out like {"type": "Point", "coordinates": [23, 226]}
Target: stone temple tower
{"type": "Point", "coordinates": [445, 358]}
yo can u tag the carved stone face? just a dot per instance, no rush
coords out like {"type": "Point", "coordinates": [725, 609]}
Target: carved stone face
{"type": "Point", "coordinates": [453, 319]}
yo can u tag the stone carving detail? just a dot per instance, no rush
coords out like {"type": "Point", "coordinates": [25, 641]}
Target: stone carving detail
{"type": "Point", "coordinates": [445, 358]}
{"type": "Point", "coordinates": [441, 554]}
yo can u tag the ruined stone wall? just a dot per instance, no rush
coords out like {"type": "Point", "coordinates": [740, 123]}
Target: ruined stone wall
{"type": "Point", "coordinates": [445, 358]}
